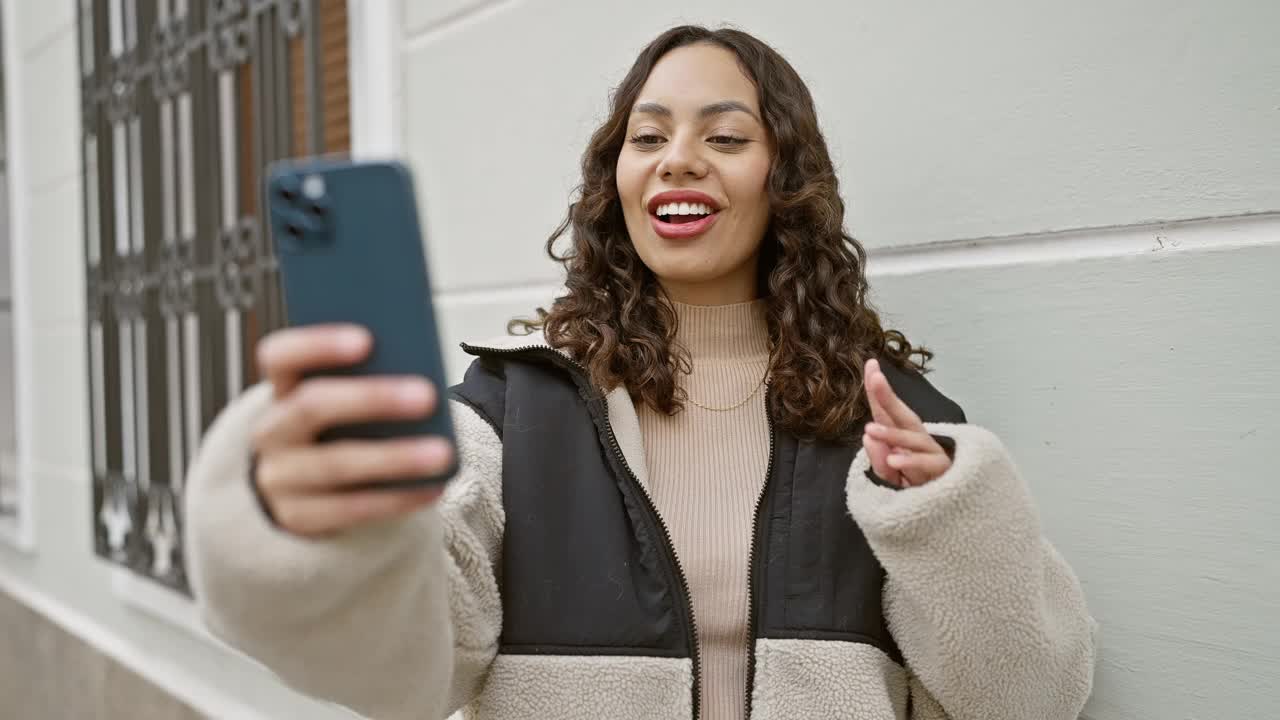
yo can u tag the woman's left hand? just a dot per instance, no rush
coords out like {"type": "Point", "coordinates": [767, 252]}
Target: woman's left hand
{"type": "Point", "coordinates": [902, 452]}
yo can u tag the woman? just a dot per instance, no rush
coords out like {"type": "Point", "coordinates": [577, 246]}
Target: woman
{"type": "Point", "coordinates": [711, 486]}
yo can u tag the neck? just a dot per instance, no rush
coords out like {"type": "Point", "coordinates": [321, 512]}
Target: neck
{"type": "Point", "coordinates": [738, 286]}
{"type": "Point", "coordinates": [706, 297]}
{"type": "Point", "coordinates": [736, 332]}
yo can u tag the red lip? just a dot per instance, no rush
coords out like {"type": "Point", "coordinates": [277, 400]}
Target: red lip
{"type": "Point", "coordinates": [682, 196]}
{"type": "Point", "coordinates": [682, 231]}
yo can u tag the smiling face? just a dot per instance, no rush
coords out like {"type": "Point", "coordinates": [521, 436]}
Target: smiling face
{"type": "Point", "coordinates": [692, 176]}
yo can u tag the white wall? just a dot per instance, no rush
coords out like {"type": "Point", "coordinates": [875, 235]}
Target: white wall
{"type": "Point", "coordinates": [1130, 364]}
{"type": "Point", "coordinates": [1130, 369]}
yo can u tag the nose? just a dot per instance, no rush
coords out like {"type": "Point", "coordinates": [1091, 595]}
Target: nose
{"type": "Point", "coordinates": [682, 159]}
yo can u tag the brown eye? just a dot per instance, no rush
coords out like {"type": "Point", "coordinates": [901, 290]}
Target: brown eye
{"type": "Point", "coordinates": [646, 140]}
{"type": "Point", "coordinates": [729, 140]}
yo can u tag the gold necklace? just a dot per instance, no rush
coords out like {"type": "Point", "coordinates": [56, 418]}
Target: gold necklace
{"type": "Point", "coordinates": [734, 406]}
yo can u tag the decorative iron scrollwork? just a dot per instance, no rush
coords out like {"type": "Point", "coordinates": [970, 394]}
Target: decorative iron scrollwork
{"type": "Point", "coordinates": [230, 34]}
{"type": "Point", "coordinates": [238, 267]}
{"type": "Point", "coordinates": [117, 514]}
{"type": "Point", "coordinates": [170, 62]}
{"type": "Point", "coordinates": [122, 86]}
{"type": "Point", "coordinates": [177, 278]}
{"type": "Point", "coordinates": [130, 288]}
{"type": "Point", "coordinates": [192, 159]}
{"type": "Point", "coordinates": [293, 16]}
{"type": "Point", "coordinates": [161, 531]}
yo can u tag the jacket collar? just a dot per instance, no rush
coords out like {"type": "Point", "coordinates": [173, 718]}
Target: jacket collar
{"type": "Point", "coordinates": [621, 410]}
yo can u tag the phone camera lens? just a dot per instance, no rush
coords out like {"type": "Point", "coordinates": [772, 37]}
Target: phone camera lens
{"type": "Point", "coordinates": [288, 194]}
{"type": "Point", "coordinates": [293, 230]}
{"type": "Point", "coordinates": [317, 209]}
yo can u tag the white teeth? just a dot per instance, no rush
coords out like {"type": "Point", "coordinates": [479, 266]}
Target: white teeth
{"type": "Point", "coordinates": [684, 209]}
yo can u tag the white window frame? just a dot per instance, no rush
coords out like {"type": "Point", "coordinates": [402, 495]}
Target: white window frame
{"type": "Point", "coordinates": [19, 531]}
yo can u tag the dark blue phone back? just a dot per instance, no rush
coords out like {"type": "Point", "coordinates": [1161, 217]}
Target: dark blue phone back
{"type": "Point", "coordinates": [350, 249]}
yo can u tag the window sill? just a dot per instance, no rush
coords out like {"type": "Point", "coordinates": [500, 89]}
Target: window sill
{"type": "Point", "coordinates": [178, 610]}
{"type": "Point", "coordinates": [158, 601]}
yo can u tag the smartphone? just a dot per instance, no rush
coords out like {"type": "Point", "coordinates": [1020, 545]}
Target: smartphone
{"type": "Point", "coordinates": [350, 250]}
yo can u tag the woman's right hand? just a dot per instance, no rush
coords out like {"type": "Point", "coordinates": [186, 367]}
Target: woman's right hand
{"type": "Point", "coordinates": [312, 488]}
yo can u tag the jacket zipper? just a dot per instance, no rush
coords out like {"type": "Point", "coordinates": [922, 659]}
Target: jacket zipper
{"type": "Point", "coordinates": [753, 588]}
{"type": "Point", "coordinates": [686, 596]}
{"type": "Point", "coordinates": [686, 604]}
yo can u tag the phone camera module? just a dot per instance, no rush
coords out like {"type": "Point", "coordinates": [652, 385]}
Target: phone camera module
{"type": "Point", "coordinates": [313, 187]}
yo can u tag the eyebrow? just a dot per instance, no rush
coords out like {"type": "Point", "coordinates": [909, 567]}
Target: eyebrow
{"type": "Point", "coordinates": [715, 108]}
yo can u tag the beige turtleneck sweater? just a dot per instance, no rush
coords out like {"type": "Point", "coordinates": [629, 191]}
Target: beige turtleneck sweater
{"type": "Point", "coordinates": [706, 471]}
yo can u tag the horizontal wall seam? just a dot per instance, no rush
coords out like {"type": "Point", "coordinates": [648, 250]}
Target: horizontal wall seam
{"type": "Point", "coordinates": [1233, 232]}
{"type": "Point", "coordinates": [1066, 246]}
{"type": "Point", "coordinates": [434, 29]}
{"type": "Point", "coordinates": [482, 295]}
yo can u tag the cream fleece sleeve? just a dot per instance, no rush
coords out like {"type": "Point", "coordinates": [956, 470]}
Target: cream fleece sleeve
{"type": "Point", "coordinates": [393, 620]}
{"type": "Point", "coordinates": [989, 617]}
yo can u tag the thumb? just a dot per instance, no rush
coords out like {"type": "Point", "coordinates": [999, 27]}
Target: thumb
{"type": "Point", "coordinates": [878, 452]}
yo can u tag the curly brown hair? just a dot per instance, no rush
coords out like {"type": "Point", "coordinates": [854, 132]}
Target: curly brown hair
{"type": "Point", "coordinates": [618, 322]}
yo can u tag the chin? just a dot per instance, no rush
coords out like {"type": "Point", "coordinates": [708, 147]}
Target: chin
{"type": "Point", "coordinates": [686, 271]}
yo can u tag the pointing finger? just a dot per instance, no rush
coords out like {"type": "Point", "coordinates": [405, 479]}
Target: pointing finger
{"type": "Point", "coordinates": [901, 416]}
{"type": "Point", "coordinates": [878, 412]}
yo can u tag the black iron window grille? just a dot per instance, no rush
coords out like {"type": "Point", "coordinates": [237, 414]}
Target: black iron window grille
{"type": "Point", "coordinates": [184, 102]}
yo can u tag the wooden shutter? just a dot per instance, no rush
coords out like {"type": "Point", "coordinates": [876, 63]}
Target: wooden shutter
{"type": "Point", "coordinates": [335, 93]}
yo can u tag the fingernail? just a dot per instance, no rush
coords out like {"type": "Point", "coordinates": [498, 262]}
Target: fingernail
{"type": "Point", "coordinates": [435, 451]}
{"type": "Point", "coordinates": [895, 460]}
{"type": "Point", "coordinates": [415, 393]}
{"type": "Point", "coordinates": [875, 427]}
{"type": "Point", "coordinates": [352, 339]}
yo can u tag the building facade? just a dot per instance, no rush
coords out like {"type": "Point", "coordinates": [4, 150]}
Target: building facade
{"type": "Point", "coordinates": [1077, 206]}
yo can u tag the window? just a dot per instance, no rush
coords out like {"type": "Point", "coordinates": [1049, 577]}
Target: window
{"type": "Point", "coordinates": [184, 103]}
